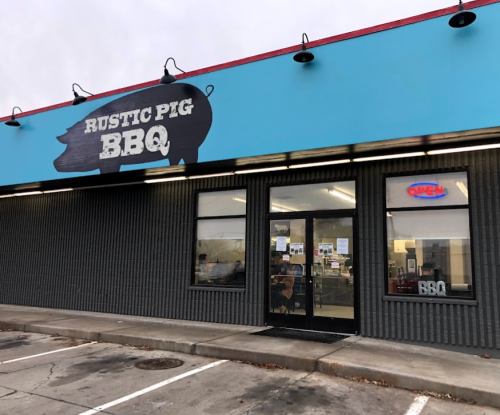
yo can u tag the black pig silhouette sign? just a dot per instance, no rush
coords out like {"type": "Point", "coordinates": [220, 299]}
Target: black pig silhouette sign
{"type": "Point", "coordinates": [164, 122]}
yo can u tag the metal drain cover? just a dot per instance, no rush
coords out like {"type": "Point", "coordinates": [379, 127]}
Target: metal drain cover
{"type": "Point", "coordinates": [158, 364]}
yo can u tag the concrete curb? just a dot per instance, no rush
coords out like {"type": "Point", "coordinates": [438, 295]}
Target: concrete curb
{"type": "Point", "coordinates": [46, 329]}
{"type": "Point", "coordinates": [413, 383]}
{"type": "Point", "coordinates": [154, 343]}
{"type": "Point", "coordinates": [224, 352]}
{"type": "Point", "coordinates": [4, 326]}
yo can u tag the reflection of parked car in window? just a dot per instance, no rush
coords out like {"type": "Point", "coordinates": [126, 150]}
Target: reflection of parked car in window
{"type": "Point", "coordinates": [224, 274]}
{"type": "Point", "coordinates": [299, 287]}
{"type": "Point", "coordinates": [297, 270]}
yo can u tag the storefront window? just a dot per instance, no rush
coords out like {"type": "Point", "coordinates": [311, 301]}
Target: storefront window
{"type": "Point", "coordinates": [429, 247]}
{"type": "Point", "coordinates": [220, 239]}
{"type": "Point", "coordinates": [317, 196]}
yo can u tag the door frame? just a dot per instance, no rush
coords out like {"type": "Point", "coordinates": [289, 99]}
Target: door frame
{"type": "Point", "coordinates": [309, 322]}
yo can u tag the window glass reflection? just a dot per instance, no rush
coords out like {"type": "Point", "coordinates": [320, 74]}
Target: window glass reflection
{"type": "Point", "coordinates": [429, 253]}
{"type": "Point", "coordinates": [226, 203]}
{"type": "Point", "coordinates": [317, 196]}
{"type": "Point", "coordinates": [333, 272]}
{"type": "Point", "coordinates": [220, 252]}
{"type": "Point", "coordinates": [287, 258]}
{"type": "Point", "coordinates": [443, 189]}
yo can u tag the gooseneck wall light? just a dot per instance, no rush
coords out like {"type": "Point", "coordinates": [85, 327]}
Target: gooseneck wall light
{"type": "Point", "coordinates": [462, 18]}
{"type": "Point", "coordinates": [13, 122]}
{"type": "Point", "coordinates": [304, 55]}
{"type": "Point", "coordinates": [79, 98]}
{"type": "Point", "coordinates": [168, 78]}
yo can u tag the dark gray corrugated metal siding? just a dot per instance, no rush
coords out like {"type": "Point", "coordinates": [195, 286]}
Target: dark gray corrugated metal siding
{"type": "Point", "coordinates": [129, 249]}
{"type": "Point", "coordinates": [125, 249]}
{"type": "Point", "coordinates": [447, 324]}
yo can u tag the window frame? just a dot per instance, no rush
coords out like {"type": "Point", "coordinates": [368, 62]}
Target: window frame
{"type": "Point", "coordinates": [401, 296]}
{"type": "Point", "coordinates": [192, 285]}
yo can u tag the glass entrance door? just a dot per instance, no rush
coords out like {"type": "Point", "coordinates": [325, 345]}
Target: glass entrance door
{"type": "Point", "coordinates": [311, 273]}
{"type": "Point", "coordinates": [333, 274]}
{"type": "Point", "coordinates": [287, 272]}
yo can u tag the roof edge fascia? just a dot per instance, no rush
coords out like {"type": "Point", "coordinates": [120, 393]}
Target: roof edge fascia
{"type": "Point", "coordinates": [320, 42]}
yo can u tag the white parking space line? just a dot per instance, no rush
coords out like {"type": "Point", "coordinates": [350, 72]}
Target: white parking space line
{"type": "Point", "coordinates": [46, 353]}
{"type": "Point", "coordinates": [151, 388]}
{"type": "Point", "coordinates": [417, 405]}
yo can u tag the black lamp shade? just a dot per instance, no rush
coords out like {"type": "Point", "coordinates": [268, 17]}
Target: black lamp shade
{"type": "Point", "coordinates": [462, 18]}
{"type": "Point", "coordinates": [12, 122]}
{"type": "Point", "coordinates": [167, 78]}
{"type": "Point", "coordinates": [79, 99]}
{"type": "Point", "coordinates": [303, 56]}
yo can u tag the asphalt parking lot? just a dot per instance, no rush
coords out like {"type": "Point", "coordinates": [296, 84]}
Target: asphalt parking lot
{"type": "Point", "coordinates": [43, 374]}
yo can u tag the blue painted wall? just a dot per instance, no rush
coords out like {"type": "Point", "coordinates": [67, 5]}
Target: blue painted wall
{"type": "Point", "coordinates": [423, 78]}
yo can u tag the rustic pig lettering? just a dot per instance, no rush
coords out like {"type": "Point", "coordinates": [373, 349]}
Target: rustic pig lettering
{"type": "Point", "coordinates": [165, 122]}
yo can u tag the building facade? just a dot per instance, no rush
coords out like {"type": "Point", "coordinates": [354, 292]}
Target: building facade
{"type": "Point", "coordinates": [357, 193]}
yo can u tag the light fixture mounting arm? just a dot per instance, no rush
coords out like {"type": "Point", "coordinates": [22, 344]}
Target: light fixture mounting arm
{"type": "Point", "coordinates": [303, 41]}
{"type": "Point", "coordinates": [165, 66]}
{"type": "Point", "coordinates": [20, 110]}
{"type": "Point", "coordinates": [73, 87]}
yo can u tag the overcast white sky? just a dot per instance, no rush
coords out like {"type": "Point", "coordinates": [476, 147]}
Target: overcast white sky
{"type": "Point", "coordinates": [107, 44]}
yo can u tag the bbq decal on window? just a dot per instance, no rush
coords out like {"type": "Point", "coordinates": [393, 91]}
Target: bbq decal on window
{"type": "Point", "coordinates": [167, 122]}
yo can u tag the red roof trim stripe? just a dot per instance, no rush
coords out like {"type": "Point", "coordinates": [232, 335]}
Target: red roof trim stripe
{"type": "Point", "coordinates": [279, 52]}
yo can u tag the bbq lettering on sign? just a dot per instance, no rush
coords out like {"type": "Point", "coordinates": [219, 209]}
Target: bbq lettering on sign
{"type": "Point", "coordinates": [164, 122]}
{"type": "Point", "coordinates": [427, 191]}
{"type": "Point", "coordinates": [432, 288]}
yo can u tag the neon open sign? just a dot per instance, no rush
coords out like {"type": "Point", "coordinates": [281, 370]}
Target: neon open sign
{"type": "Point", "coordinates": [427, 190]}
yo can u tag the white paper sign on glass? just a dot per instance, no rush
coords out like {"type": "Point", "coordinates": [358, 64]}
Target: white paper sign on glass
{"type": "Point", "coordinates": [325, 249]}
{"type": "Point", "coordinates": [343, 246]}
{"type": "Point", "coordinates": [297, 249]}
{"type": "Point", "coordinates": [281, 243]}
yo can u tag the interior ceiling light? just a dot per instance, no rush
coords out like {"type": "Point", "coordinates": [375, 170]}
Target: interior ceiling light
{"type": "Point", "coordinates": [462, 18]}
{"type": "Point", "coordinates": [13, 122]}
{"type": "Point", "coordinates": [168, 179]}
{"type": "Point", "coordinates": [463, 189]}
{"type": "Point", "coordinates": [461, 149]}
{"type": "Point", "coordinates": [278, 208]}
{"type": "Point", "coordinates": [342, 195]}
{"type": "Point", "coordinates": [304, 55]}
{"type": "Point", "coordinates": [211, 175]}
{"type": "Point", "coordinates": [79, 98]}
{"type": "Point", "coordinates": [11, 195]}
{"type": "Point", "coordinates": [321, 163]}
{"type": "Point", "coordinates": [391, 156]}
{"type": "Point", "coordinates": [239, 200]}
{"type": "Point", "coordinates": [167, 78]}
{"type": "Point", "coordinates": [261, 170]}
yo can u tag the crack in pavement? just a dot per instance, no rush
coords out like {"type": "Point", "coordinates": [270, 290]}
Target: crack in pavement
{"type": "Point", "coordinates": [10, 393]}
{"type": "Point", "coordinates": [51, 372]}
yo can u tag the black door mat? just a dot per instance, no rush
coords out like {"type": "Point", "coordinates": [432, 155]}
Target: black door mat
{"type": "Point", "coordinates": [311, 336]}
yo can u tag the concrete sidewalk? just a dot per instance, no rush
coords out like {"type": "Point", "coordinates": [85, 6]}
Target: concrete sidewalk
{"type": "Point", "coordinates": [404, 366]}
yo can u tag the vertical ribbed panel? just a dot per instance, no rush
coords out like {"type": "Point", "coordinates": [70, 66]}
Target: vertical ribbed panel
{"type": "Point", "coordinates": [129, 250]}
{"type": "Point", "coordinates": [121, 250]}
{"type": "Point", "coordinates": [448, 324]}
